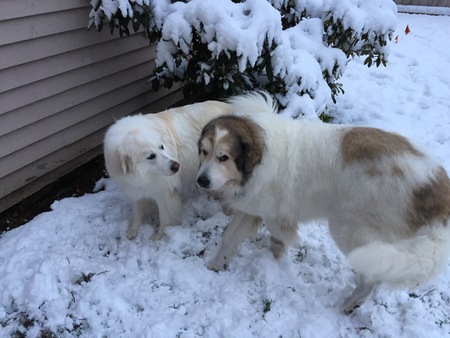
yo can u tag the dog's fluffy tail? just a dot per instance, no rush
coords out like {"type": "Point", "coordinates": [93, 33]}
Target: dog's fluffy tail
{"type": "Point", "coordinates": [255, 102]}
{"type": "Point", "coordinates": [407, 263]}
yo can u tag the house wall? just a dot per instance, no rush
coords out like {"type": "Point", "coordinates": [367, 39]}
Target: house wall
{"type": "Point", "coordinates": [431, 3]}
{"type": "Point", "coordinates": [60, 88]}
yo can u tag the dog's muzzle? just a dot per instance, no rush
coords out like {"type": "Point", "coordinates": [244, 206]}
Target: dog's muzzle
{"type": "Point", "coordinates": [175, 166]}
{"type": "Point", "coordinates": [203, 181]}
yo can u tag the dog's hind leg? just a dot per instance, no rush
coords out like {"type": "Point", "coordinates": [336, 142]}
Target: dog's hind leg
{"type": "Point", "coordinates": [138, 214]}
{"type": "Point", "coordinates": [277, 247]}
{"type": "Point", "coordinates": [359, 295]}
{"type": "Point", "coordinates": [281, 237]}
{"type": "Point", "coordinates": [348, 236]}
{"type": "Point", "coordinates": [241, 227]}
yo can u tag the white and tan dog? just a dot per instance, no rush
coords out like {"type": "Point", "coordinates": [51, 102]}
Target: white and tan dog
{"type": "Point", "coordinates": [387, 202]}
{"type": "Point", "coordinates": [153, 158]}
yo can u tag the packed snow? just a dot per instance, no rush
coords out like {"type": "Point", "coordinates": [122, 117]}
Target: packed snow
{"type": "Point", "coordinates": [71, 271]}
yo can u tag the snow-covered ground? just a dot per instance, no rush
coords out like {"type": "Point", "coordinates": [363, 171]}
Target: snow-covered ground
{"type": "Point", "coordinates": [72, 272]}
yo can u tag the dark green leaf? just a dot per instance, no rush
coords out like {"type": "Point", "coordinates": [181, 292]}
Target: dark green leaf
{"type": "Point", "coordinates": [155, 84]}
{"type": "Point", "coordinates": [269, 71]}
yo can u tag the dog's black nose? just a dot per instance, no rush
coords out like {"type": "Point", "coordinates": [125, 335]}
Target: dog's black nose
{"type": "Point", "coordinates": [203, 181]}
{"type": "Point", "coordinates": [175, 167]}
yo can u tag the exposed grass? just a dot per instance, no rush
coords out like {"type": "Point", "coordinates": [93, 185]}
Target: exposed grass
{"type": "Point", "coordinates": [267, 305]}
{"type": "Point", "coordinates": [301, 254]}
{"type": "Point", "coordinates": [86, 278]}
{"type": "Point", "coordinates": [23, 324]}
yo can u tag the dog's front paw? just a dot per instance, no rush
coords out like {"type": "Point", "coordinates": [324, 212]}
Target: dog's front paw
{"type": "Point", "coordinates": [217, 264]}
{"type": "Point", "coordinates": [348, 307]}
{"type": "Point", "coordinates": [157, 235]}
{"type": "Point", "coordinates": [131, 234]}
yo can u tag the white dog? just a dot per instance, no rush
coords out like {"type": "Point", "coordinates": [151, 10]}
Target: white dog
{"type": "Point", "coordinates": [387, 202]}
{"type": "Point", "coordinates": [153, 158]}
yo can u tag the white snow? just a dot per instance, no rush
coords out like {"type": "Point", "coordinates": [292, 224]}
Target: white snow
{"type": "Point", "coordinates": [162, 289]}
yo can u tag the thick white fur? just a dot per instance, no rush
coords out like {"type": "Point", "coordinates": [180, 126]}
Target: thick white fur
{"type": "Point", "coordinates": [408, 262]}
{"type": "Point", "coordinates": [253, 102]}
{"type": "Point", "coordinates": [131, 140]}
{"type": "Point", "coordinates": [302, 177]}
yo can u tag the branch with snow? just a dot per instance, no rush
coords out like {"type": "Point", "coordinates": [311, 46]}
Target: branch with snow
{"type": "Point", "coordinates": [119, 14]}
{"type": "Point", "coordinates": [297, 50]}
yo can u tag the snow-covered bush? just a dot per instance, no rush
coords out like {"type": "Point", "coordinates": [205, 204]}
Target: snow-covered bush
{"type": "Point", "coordinates": [295, 49]}
{"type": "Point", "coordinates": [120, 14]}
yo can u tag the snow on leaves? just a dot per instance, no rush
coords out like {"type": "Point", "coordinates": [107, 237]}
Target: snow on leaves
{"type": "Point", "coordinates": [297, 50]}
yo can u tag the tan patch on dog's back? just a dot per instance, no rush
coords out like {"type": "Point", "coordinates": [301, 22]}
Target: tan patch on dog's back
{"type": "Point", "coordinates": [431, 201]}
{"type": "Point", "coordinates": [363, 143]}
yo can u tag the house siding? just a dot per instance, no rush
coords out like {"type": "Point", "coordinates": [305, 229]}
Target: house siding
{"type": "Point", "coordinates": [431, 3]}
{"type": "Point", "coordinates": [61, 86]}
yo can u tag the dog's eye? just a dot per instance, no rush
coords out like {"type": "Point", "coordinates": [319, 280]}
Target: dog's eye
{"type": "Point", "coordinates": [151, 157]}
{"type": "Point", "coordinates": [205, 153]}
{"type": "Point", "coordinates": [223, 158]}
{"type": "Point", "coordinates": [162, 147]}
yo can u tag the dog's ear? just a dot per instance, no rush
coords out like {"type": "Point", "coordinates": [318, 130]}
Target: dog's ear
{"type": "Point", "coordinates": [251, 156]}
{"type": "Point", "coordinates": [252, 145]}
{"type": "Point", "coordinates": [126, 163]}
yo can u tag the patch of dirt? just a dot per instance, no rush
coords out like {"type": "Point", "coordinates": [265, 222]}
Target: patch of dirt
{"type": "Point", "coordinates": [78, 182]}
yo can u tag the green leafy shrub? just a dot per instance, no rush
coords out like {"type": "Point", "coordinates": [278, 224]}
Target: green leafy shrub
{"type": "Point", "coordinates": [120, 15]}
{"type": "Point", "coordinates": [296, 50]}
